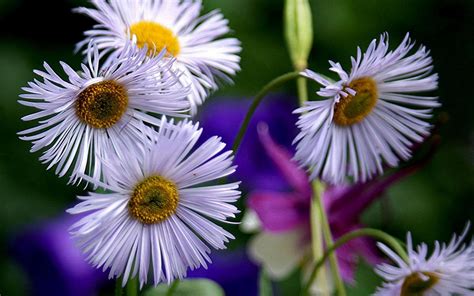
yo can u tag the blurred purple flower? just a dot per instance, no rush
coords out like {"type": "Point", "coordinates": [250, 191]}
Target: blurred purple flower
{"type": "Point", "coordinates": [53, 264]}
{"type": "Point", "coordinates": [233, 271]}
{"type": "Point", "coordinates": [223, 118]}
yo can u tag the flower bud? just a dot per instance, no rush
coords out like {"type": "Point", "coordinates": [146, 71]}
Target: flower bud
{"type": "Point", "coordinates": [298, 31]}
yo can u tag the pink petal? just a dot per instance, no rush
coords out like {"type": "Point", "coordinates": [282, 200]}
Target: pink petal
{"type": "Point", "coordinates": [278, 211]}
{"type": "Point", "coordinates": [295, 176]}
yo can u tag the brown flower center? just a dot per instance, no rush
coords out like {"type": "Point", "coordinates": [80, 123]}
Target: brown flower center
{"type": "Point", "coordinates": [353, 109]}
{"type": "Point", "coordinates": [101, 105]}
{"type": "Point", "coordinates": [414, 285]}
{"type": "Point", "coordinates": [153, 200]}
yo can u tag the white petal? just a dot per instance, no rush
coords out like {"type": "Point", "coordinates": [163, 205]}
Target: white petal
{"type": "Point", "coordinates": [279, 253]}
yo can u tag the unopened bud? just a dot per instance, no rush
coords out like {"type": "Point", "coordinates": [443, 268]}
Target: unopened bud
{"type": "Point", "coordinates": [298, 31]}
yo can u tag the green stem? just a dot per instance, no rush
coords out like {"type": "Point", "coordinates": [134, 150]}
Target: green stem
{"type": "Point", "coordinates": [317, 246]}
{"type": "Point", "coordinates": [172, 288]}
{"type": "Point", "coordinates": [265, 285]}
{"type": "Point", "coordinates": [132, 287]}
{"type": "Point", "coordinates": [256, 102]}
{"type": "Point", "coordinates": [302, 86]}
{"type": "Point", "coordinates": [318, 190]}
{"type": "Point", "coordinates": [375, 233]}
{"type": "Point", "coordinates": [118, 287]}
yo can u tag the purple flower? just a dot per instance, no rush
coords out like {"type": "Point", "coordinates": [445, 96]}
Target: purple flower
{"type": "Point", "coordinates": [286, 215]}
{"type": "Point", "coordinates": [223, 118]}
{"type": "Point", "coordinates": [53, 264]}
{"type": "Point", "coordinates": [233, 271]}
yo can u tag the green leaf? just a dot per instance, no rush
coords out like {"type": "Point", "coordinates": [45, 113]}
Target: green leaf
{"type": "Point", "coordinates": [195, 287]}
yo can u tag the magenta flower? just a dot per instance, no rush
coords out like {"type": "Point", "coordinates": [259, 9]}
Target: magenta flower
{"type": "Point", "coordinates": [284, 217]}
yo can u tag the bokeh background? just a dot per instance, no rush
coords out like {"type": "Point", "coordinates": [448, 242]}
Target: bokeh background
{"type": "Point", "coordinates": [432, 203]}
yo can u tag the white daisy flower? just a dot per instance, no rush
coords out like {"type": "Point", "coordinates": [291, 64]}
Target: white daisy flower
{"type": "Point", "coordinates": [371, 116]}
{"type": "Point", "coordinates": [158, 217]}
{"type": "Point", "coordinates": [448, 271]}
{"type": "Point", "coordinates": [99, 110]}
{"type": "Point", "coordinates": [193, 40]}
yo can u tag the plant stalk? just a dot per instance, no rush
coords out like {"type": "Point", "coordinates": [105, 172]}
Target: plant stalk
{"type": "Point", "coordinates": [318, 190]}
{"type": "Point", "coordinates": [277, 82]}
{"type": "Point", "coordinates": [375, 233]}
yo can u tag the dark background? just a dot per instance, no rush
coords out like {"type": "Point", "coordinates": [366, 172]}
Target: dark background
{"type": "Point", "coordinates": [432, 204]}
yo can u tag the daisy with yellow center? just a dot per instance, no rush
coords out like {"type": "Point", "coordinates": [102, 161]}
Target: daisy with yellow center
{"type": "Point", "coordinates": [158, 218]}
{"type": "Point", "coordinates": [448, 271]}
{"type": "Point", "coordinates": [153, 35]}
{"type": "Point", "coordinates": [202, 56]}
{"type": "Point", "coordinates": [371, 117]}
{"type": "Point", "coordinates": [99, 110]}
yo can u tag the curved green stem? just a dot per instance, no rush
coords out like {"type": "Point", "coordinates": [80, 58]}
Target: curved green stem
{"type": "Point", "coordinates": [277, 82]}
{"type": "Point", "coordinates": [172, 288]}
{"type": "Point", "coordinates": [318, 190]}
{"type": "Point", "coordinates": [375, 233]}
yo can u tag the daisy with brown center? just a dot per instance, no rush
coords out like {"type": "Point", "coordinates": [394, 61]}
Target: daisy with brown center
{"type": "Point", "coordinates": [157, 219]}
{"type": "Point", "coordinates": [370, 117]}
{"type": "Point", "coordinates": [448, 271]}
{"type": "Point", "coordinates": [99, 110]}
{"type": "Point", "coordinates": [202, 55]}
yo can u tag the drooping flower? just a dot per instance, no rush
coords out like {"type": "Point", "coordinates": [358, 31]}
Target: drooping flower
{"type": "Point", "coordinates": [371, 116]}
{"type": "Point", "coordinates": [283, 216]}
{"type": "Point", "coordinates": [202, 55]}
{"type": "Point", "coordinates": [448, 271]}
{"type": "Point", "coordinates": [158, 217]}
{"type": "Point", "coordinates": [100, 110]}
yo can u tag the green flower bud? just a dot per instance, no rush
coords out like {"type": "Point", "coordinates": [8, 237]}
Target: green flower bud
{"type": "Point", "coordinates": [298, 31]}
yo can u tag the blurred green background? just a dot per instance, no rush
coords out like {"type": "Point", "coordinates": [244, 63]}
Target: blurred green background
{"type": "Point", "coordinates": [432, 204]}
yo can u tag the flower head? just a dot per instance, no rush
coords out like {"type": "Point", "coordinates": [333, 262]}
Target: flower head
{"type": "Point", "coordinates": [371, 116]}
{"type": "Point", "coordinates": [100, 110]}
{"type": "Point", "coordinates": [448, 271]}
{"type": "Point", "coordinates": [176, 26]}
{"type": "Point", "coordinates": [157, 217]}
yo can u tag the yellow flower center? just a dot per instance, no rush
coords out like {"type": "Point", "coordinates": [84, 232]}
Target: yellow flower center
{"type": "Point", "coordinates": [353, 109]}
{"type": "Point", "coordinates": [414, 285]}
{"type": "Point", "coordinates": [155, 37]}
{"type": "Point", "coordinates": [101, 105]}
{"type": "Point", "coordinates": [153, 200]}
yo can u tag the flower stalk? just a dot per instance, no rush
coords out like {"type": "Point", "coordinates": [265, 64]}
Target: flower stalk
{"type": "Point", "coordinates": [132, 287]}
{"type": "Point", "coordinates": [118, 287]}
{"type": "Point", "coordinates": [375, 233]}
{"type": "Point", "coordinates": [317, 246]}
{"type": "Point", "coordinates": [172, 288]}
{"type": "Point", "coordinates": [275, 83]}
{"type": "Point", "coordinates": [318, 190]}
